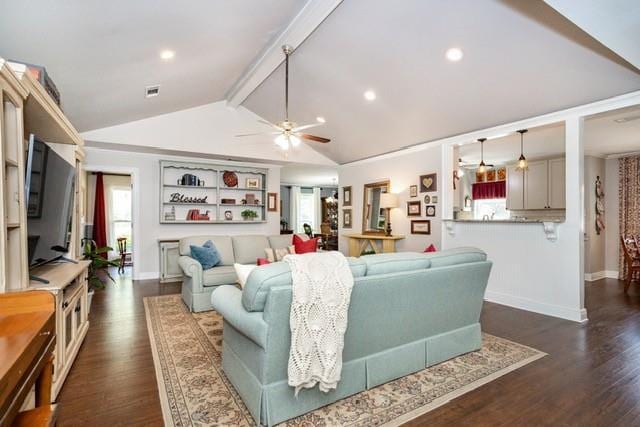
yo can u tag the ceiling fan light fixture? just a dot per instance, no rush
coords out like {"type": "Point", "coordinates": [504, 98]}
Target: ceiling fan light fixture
{"type": "Point", "coordinates": [482, 168]}
{"type": "Point", "coordinates": [294, 140]}
{"type": "Point", "coordinates": [282, 141]}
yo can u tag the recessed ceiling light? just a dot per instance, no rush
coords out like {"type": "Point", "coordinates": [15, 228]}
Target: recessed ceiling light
{"type": "Point", "coordinates": [454, 54]}
{"type": "Point", "coordinates": [320, 119]}
{"type": "Point", "coordinates": [166, 55]}
{"type": "Point", "coordinates": [369, 95]}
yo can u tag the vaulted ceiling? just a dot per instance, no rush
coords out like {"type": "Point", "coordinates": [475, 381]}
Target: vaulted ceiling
{"type": "Point", "coordinates": [102, 53]}
{"type": "Point", "coordinates": [521, 59]}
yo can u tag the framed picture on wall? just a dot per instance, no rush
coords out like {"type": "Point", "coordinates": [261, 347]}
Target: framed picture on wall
{"type": "Point", "coordinates": [429, 182]}
{"type": "Point", "coordinates": [253, 183]}
{"type": "Point", "coordinates": [272, 202]}
{"type": "Point", "coordinates": [414, 208]}
{"type": "Point", "coordinates": [421, 226]}
{"type": "Point", "coordinates": [413, 191]}
{"type": "Point", "coordinates": [346, 218]}
{"type": "Point", "coordinates": [346, 196]}
{"type": "Point", "coordinates": [430, 210]}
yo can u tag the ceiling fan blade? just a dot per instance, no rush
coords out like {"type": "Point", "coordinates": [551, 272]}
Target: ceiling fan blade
{"type": "Point", "coordinates": [312, 125]}
{"type": "Point", "coordinates": [258, 133]}
{"type": "Point", "coordinates": [270, 124]}
{"type": "Point", "coordinates": [313, 138]}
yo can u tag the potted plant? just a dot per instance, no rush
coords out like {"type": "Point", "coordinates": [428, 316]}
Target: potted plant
{"type": "Point", "coordinates": [248, 214]}
{"type": "Point", "coordinates": [283, 224]}
{"type": "Point", "coordinates": [98, 269]}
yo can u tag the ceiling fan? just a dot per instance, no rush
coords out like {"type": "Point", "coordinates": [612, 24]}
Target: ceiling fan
{"type": "Point", "coordinates": [288, 132]}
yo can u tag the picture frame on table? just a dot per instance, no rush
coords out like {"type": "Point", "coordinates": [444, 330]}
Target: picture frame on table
{"type": "Point", "coordinates": [414, 208]}
{"type": "Point", "coordinates": [413, 191]}
{"type": "Point", "coordinates": [346, 196]}
{"type": "Point", "coordinates": [272, 202]}
{"type": "Point", "coordinates": [253, 183]}
{"type": "Point", "coordinates": [421, 226]}
{"type": "Point", "coordinates": [346, 218]}
{"type": "Point", "coordinates": [428, 182]}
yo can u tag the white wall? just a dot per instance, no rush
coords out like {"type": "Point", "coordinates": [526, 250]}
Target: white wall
{"type": "Point", "coordinates": [146, 173]}
{"type": "Point", "coordinates": [611, 209]}
{"type": "Point", "coordinates": [402, 171]}
{"type": "Point", "coordinates": [594, 255]}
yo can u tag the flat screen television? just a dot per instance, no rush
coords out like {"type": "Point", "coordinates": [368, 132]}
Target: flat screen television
{"type": "Point", "coordinates": [50, 189]}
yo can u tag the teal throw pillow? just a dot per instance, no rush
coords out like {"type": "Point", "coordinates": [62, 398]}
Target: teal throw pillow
{"type": "Point", "coordinates": [207, 255]}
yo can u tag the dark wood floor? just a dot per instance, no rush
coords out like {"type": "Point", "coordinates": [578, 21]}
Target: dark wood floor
{"type": "Point", "coordinates": [591, 376]}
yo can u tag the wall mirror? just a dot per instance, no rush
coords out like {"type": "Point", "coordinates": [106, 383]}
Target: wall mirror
{"type": "Point", "coordinates": [373, 216]}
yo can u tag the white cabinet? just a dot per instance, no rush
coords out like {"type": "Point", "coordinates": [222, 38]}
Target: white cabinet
{"type": "Point", "coordinates": [557, 198]}
{"type": "Point", "coordinates": [541, 186]}
{"type": "Point", "coordinates": [515, 188]}
{"type": "Point", "coordinates": [536, 185]}
{"type": "Point", "coordinates": [170, 270]}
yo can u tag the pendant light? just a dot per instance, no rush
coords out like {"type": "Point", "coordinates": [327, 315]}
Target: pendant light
{"type": "Point", "coordinates": [482, 167]}
{"type": "Point", "coordinates": [522, 161]}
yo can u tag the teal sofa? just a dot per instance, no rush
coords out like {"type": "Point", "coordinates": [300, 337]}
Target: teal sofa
{"type": "Point", "coordinates": [244, 249]}
{"type": "Point", "coordinates": [408, 311]}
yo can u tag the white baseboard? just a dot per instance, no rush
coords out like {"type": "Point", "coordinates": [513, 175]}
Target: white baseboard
{"type": "Point", "coordinates": [598, 275]}
{"type": "Point", "coordinates": [611, 274]}
{"type": "Point", "coordinates": [576, 315]}
{"type": "Point", "coordinates": [149, 275]}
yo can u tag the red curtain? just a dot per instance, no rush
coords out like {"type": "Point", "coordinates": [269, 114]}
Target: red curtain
{"type": "Point", "coordinates": [489, 190]}
{"type": "Point", "coordinates": [99, 215]}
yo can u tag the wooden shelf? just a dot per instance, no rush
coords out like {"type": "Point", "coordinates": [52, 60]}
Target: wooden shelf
{"type": "Point", "coordinates": [11, 225]}
{"type": "Point", "coordinates": [188, 204]}
{"type": "Point", "coordinates": [216, 221]}
{"type": "Point", "coordinates": [9, 162]}
{"type": "Point", "coordinates": [42, 116]}
{"type": "Point", "coordinates": [240, 189]}
{"type": "Point", "coordinates": [190, 186]}
{"type": "Point", "coordinates": [240, 204]}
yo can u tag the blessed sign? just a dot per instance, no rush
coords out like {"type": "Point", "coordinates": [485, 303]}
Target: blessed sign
{"type": "Point", "coordinates": [181, 198]}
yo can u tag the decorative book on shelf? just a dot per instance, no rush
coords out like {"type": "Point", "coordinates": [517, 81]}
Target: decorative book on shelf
{"type": "Point", "coordinates": [210, 193]}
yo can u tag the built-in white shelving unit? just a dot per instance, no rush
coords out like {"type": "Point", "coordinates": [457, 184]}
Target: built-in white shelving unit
{"type": "Point", "coordinates": [185, 187]}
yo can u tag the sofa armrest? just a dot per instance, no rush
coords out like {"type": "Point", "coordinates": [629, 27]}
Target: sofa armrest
{"type": "Point", "coordinates": [227, 300]}
{"type": "Point", "coordinates": [192, 268]}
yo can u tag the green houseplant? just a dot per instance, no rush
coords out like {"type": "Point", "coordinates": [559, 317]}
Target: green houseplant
{"type": "Point", "coordinates": [98, 269]}
{"type": "Point", "coordinates": [248, 214]}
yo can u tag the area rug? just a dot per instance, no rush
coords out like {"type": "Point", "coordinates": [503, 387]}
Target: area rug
{"type": "Point", "coordinates": [187, 352]}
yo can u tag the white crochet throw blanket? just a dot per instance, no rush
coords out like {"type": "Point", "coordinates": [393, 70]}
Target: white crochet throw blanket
{"type": "Point", "coordinates": [322, 284]}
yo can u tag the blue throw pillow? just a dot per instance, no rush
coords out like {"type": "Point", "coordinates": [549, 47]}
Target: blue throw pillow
{"type": "Point", "coordinates": [207, 255]}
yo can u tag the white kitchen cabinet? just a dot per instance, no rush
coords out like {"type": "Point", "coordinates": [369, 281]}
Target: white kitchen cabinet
{"type": "Point", "coordinates": [515, 188]}
{"type": "Point", "coordinates": [541, 186]}
{"type": "Point", "coordinates": [557, 184]}
{"type": "Point", "coordinates": [170, 270]}
{"type": "Point", "coordinates": [536, 185]}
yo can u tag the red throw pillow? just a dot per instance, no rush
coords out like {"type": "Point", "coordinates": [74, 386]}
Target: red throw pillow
{"type": "Point", "coordinates": [263, 261]}
{"type": "Point", "coordinates": [431, 248]}
{"type": "Point", "coordinates": [303, 247]}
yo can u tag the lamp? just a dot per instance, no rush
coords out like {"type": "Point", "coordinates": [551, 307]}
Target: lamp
{"type": "Point", "coordinates": [482, 167]}
{"type": "Point", "coordinates": [388, 201]}
{"type": "Point", "coordinates": [522, 161]}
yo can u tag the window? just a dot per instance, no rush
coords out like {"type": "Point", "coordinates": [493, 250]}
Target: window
{"type": "Point", "coordinates": [490, 209]}
{"type": "Point", "coordinates": [306, 211]}
{"type": "Point", "coordinates": [120, 216]}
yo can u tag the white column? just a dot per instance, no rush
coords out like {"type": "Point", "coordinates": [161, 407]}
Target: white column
{"type": "Point", "coordinates": [574, 223]}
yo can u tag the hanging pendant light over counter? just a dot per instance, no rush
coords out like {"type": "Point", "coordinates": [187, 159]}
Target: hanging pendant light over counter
{"type": "Point", "coordinates": [482, 167]}
{"type": "Point", "coordinates": [522, 161]}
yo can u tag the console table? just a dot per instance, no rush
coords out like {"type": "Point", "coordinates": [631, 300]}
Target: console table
{"type": "Point", "coordinates": [27, 342]}
{"type": "Point", "coordinates": [379, 243]}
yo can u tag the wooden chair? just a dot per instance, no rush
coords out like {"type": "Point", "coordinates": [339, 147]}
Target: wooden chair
{"type": "Point", "coordinates": [122, 249]}
{"type": "Point", "coordinates": [631, 259]}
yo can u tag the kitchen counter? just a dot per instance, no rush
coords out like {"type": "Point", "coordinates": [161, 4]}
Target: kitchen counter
{"type": "Point", "coordinates": [509, 221]}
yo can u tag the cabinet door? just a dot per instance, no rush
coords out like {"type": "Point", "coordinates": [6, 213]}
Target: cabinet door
{"type": "Point", "coordinates": [515, 188]}
{"type": "Point", "coordinates": [536, 185]}
{"type": "Point", "coordinates": [557, 184]}
{"type": "Point", "coordinates": [170, 270]}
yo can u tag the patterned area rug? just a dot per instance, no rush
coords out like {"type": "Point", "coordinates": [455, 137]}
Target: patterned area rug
{"type": "Point", "coordinates": [187, 352]}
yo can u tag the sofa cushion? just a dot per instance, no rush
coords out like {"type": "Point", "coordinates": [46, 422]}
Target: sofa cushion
{"type": "Point", "coordinates": [455, 256]}
{"type": "Point", "coordinates": [254, 293]}
{"type": "Point", "coordinates": [222, 243]}
{"type": "Point", "coordinates": [395, 262]}
{"type": "Point", "coordinates": [222, 275]}
{"type": "Point", "coordinates": [280, 241]}
{"type": "Point", "coordinates": [247, 249]}
{"type": "Point", "coordinates": [207, 255]}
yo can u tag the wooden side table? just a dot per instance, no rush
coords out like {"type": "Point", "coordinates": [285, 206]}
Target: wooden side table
{"type": "Point", "coordinates": [379, 243]}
